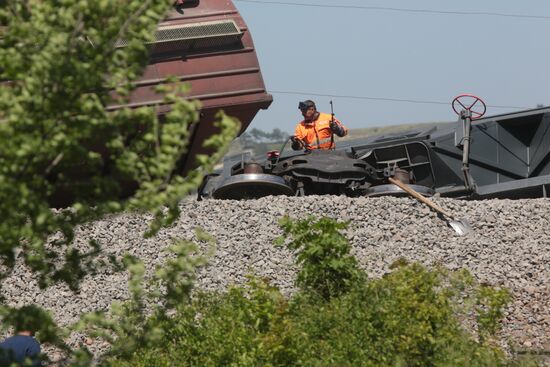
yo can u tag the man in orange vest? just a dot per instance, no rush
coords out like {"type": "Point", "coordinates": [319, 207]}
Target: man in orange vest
{"type": "Point", "coordinates": [317, 129]}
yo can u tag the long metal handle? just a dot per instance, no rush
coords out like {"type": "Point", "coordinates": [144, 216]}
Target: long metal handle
{"type": "Point", "coordinates": [467, 119]}
{"type": "Point", "coordinates": [419, 196]}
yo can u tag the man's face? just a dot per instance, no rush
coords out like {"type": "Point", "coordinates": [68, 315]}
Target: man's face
{"type": "Point", "coordinates": [308, 113]}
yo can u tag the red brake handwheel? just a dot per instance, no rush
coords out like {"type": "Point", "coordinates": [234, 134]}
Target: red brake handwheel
{"type": "Point", "coordinates": [471, 103]}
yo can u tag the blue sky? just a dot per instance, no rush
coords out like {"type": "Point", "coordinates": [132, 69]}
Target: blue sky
{"type": "Point", "coordinates": [354, 53]}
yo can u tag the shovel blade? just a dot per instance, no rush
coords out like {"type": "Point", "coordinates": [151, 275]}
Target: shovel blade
{"type": "Point", "coordinates": [461, 226]}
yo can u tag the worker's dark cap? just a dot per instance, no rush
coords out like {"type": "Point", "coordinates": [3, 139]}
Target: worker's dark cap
{"type": "Point", "coordinates": [306, 104]}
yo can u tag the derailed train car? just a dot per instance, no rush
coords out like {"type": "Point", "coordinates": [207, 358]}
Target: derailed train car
{"type": "Point", "coordinates": [502, 156]}
{"type": "Point", "coordinates": [208, 45]}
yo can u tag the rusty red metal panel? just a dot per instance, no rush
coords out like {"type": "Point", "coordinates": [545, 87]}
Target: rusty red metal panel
{"type": "Point", "coordinates": [222, 71]}
{"type": "Point", "coordinates": [208, 45]}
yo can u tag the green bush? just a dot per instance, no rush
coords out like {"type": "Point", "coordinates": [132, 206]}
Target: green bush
{"type": "Point", "coordinates": [326, 267]}
{"type": "Point", "coordinates": [403, 319]}
{"type": "Point", "coordinates": [406, 318]}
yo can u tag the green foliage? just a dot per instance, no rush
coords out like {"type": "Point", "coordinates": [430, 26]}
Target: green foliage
{"type": "Point", "coordinates": [402, 319]}
{"type": "Point", "coordinates": [217, 330]}
{"type": "Point", "coordinates": [406, 318]}
{"type": "Point", "coordinates": [142, 322]}
{"type": "Point", "coordinates": [36, 320]}
{"type": "Point", "coordinates": [31, 318]}
{"type": "Point", "coordinates": [490, 303]}
{"type": "Point", "coordinates": [68, 139]}
{"type": "Point", "coordinates": [62, 143]}
{"type": "Point", "coordinates": [257, 136]}
{"type": "Point", "coordinates": [323, 253]}
{"type": "Point", "coordinates": [259, 142]}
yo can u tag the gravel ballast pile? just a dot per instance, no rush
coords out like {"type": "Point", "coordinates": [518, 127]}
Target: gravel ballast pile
{"type": "Point", "coordinates": [509, 247]}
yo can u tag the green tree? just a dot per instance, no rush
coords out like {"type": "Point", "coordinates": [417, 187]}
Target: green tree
{"type": "Point", "coordinates": [259, 141]}
{"type": "Point", "coordinates": [62, 64]}
{"type": "Point", "coordinates": [60, 68]}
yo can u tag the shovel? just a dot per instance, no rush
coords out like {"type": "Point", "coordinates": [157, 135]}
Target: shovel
{"type": "Point", "coordinates": [461, 226]}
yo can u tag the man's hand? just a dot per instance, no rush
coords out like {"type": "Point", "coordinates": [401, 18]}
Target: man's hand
{"type": "Point", "coordinates": [336, 128]}
{"type": "Point", "coordinates": [297, 143]}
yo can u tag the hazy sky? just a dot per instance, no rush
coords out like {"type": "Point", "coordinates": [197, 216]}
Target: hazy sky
{"type": "Point", "coordinates": [358, 54]}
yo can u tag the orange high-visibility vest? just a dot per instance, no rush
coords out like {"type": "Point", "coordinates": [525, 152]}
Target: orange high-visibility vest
{"type": "Point", "coordinates": [317, 134]}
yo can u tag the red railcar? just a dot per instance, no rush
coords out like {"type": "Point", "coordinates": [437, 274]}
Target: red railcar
{"type": "Point", "coordinates": [207, 44]}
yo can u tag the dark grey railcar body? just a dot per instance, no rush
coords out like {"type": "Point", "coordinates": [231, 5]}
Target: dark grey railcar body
{"type": "Point", "coordinates": [509, 157]}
